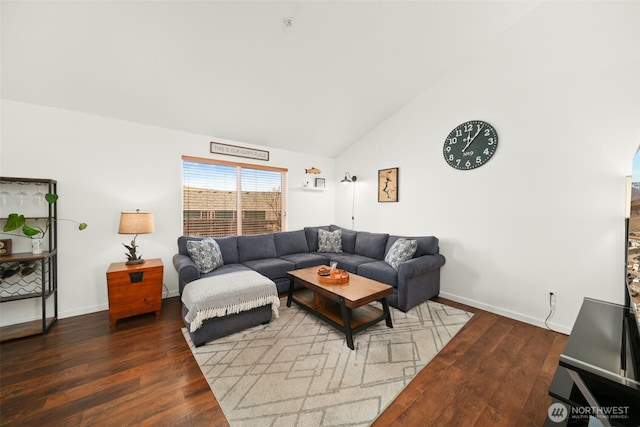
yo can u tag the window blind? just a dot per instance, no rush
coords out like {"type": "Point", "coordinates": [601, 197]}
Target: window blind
{"type": "Point", "coordinates": [225, 198]}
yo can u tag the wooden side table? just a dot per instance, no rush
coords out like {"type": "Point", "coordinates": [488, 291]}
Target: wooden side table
{"type": "Point", "coordinates": [134, 289]}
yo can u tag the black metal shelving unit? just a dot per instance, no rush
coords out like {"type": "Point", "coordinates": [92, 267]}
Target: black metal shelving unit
{"type": "Point", "coordinates": [36, 276]}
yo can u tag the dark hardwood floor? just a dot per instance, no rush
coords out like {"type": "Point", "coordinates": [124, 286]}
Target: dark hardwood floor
{"type": "Point", "coordinates": [496, 372]}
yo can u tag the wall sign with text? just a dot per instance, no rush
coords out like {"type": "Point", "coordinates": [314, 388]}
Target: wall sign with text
{"type": "Point", "coordinates": [234, 150]}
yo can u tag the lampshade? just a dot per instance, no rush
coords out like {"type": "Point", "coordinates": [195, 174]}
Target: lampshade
{"type": "Point", "coordinates": [136, 223]}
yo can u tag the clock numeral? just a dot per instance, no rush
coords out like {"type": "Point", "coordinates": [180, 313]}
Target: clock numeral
{"type": "Point", "coordinates": [486, 152]}
{"type": "Point", "coordinates": [468, 127]}
{"type": "Point", "coordinates": [479, 159]}
{"type": "Point", "coordinates": [487, 132]}
{"type": "Point", "coordinates": [491, 141]}
{"type": "Point", "coordinates": [453, 140]}
{"type": "Point", "coordinates": [458, 132]}
{"type": "Point", "coordinates": [468, 164]}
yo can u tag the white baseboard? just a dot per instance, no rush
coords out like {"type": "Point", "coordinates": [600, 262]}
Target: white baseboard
{"type": "Point", "coordinates": [82, 310]}
{"type": "Point", "coordinates": [507, 313]}
{"type": "Point", "coordinates": [102, 307]}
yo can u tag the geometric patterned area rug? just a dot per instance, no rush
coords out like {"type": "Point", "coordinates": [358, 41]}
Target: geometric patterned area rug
{"type": "Point", "coordinates": [298, 371]}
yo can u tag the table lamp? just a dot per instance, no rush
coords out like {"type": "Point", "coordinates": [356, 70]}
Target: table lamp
{"type": "Point", "coordinates": [135, 223]}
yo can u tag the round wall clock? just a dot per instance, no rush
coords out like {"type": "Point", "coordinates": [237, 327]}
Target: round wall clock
{"type": "Point", "coordinates": [470, 145]}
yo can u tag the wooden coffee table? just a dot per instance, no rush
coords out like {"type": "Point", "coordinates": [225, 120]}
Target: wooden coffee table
{"type": "Point", "coordinates": [343, 306]}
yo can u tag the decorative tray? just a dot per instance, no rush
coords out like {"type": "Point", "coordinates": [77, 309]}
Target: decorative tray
{"type": "Point", "coordinates": [335, 277]}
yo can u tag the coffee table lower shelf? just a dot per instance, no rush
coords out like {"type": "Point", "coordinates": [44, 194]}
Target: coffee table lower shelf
{"type": "Point", "coordinates": [337, 314]}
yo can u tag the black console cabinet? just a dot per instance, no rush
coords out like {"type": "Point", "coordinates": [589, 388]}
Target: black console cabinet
{"type": "Point", "coordinates": [597, 381]}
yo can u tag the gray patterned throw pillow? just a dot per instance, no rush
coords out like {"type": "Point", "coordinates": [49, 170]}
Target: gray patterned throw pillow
{"type": "Point", "coordinates": [329, 241]}
{"type": "Point", "coordinates": [402, 250]}
{"type": "Point", "coordinates": [206, 254]}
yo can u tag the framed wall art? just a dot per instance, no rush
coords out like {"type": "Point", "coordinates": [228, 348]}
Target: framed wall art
{"type": "Point", "coordinates": [388, 185]}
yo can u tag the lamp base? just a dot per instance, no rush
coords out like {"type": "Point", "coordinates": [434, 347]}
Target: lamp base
{"type": "Point", "coordinates": [135, 261]}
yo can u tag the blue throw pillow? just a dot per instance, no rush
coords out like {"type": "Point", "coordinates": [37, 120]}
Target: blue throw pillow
{"type": "Point", "coordinates": [329, 241]}
{"type": "Point", "coordinates": [402, 250]}
{"type": "Point", "coordinates": [205, 254]}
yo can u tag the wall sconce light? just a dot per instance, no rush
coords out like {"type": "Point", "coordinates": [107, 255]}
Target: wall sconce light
{"type": "Point", "coordinates": [135, 223]}
{"type": "Point", "coordinates": [349, 178]}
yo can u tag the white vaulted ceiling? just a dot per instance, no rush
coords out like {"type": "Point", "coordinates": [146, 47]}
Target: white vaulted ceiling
{"type": "Point", "coordinates": [233, 70]}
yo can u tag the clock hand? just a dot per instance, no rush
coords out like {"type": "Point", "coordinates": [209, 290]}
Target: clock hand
{"type": "Point", "coordinates": [474, 137]}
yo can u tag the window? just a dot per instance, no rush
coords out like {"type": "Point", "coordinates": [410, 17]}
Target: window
{"type": "Point", "coordinates": [214, 192]}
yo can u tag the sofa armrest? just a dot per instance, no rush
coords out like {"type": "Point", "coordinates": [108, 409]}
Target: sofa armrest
{"type": "Point", "coordinates": [187, 270]}
{"type": "Point", "coordinates": [419, 280]}
{"type": "Point", "coordinates": [417, 266]}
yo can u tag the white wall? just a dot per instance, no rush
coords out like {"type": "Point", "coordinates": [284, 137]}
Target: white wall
{"type": "Point", "coordinates": [547, 211]}
{"type": "Point", "coordinates": [105, 166]}
{"type": "Point", "coordinates": [561, 87]}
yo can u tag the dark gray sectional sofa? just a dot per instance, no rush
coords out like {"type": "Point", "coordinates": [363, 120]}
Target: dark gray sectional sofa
{"type": "Point", "coordinates": [363, 253]}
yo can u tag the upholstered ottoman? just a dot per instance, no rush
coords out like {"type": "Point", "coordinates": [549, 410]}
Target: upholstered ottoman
{"type": "Point", "coordinates": [220, 305]}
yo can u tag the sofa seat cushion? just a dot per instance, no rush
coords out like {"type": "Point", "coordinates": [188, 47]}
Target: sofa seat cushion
{"type": "Point", "coordinates": [227, 268]}
{"type": "Point", "coordinates": [380, 271]}
{"type": "Point", "coordinates": [371, 245]}
{"type": "Point", "coordinates": [305, 260]}
{"type": "Point", "coordinates": [348, 262]}
{"type": "Point", "coordinates": [273, 268]}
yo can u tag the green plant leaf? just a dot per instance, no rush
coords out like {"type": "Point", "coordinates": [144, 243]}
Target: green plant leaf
{"type": "Point", "coordinates": [30, 232]}
{"type": "Point", "coordinates": [51, 198]}
{"type": "Point", "coordinates": [14, 221]}
{"type": "Point", "coordinates": [82, 226]}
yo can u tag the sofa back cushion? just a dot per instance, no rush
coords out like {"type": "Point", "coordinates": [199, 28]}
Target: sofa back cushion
{"type": "Point", "coordinates": [427, 245]}
{"type": "Point", "coordinates": [312, 237]}
{"type": "Point", "coordinates": [228, 247]}
{"type": "Point", "coordinates": [182, 244]}
{"type": "Point", "coordinates": [348, 239]}
{"type": "Point", "coordinates": [372, 245]}
{"type": "Point", "coordinates": [257, 246]}
{"type": "Point", "coordinates": [291, 242]}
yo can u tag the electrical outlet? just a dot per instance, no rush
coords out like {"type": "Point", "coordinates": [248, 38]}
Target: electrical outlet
{"type": "Point", "coordinates": [552, 294]}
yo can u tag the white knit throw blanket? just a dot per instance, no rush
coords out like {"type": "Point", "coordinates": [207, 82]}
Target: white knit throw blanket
{"type": "Point", "coordinates": [229, 293]}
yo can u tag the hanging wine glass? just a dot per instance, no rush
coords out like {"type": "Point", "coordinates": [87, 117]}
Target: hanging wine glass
{"type": "Point", "coordinates": [4, 197]}
{"type": "Point", "coordinates": [38, 198]}
{"type": "Point", "coordinates": [21, 196]}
